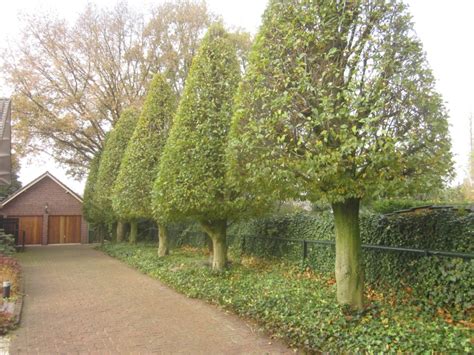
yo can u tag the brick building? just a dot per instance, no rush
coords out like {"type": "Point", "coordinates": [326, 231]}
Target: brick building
{"type": "Point", "coordinates": [46, 212]}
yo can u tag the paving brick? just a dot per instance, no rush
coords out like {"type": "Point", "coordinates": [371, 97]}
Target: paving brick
{"type": "Point", "coordinates": [79, 300]}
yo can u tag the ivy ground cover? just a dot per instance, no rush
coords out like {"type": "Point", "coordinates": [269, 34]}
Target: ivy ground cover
{"type": "Point", "coordinates": [299, 305]}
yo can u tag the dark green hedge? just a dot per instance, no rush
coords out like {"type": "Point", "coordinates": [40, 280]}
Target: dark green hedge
{"type": "Point", "coordinates": [437, 282]}
{"type": "Point", "coordinates": [394, 205]}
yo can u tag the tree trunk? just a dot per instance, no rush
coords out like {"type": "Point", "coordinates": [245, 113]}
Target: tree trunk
{"type": "Point", "coordinates": [101, 231]}
{"type": "Point", "coordinates": [349, 273]}
{"type": "Point", "coordinates": [163, 246]}
{"type": "Point", "coordinates": [217, 231]}
{"type": "Point", "coordinates": [133, 232]}
{"type": "Point", "coordinates": [113, 228]}
{"type": "Point", "coordinates": [120, 231]}
{"type": "Point", "coordinates": [210, 248]}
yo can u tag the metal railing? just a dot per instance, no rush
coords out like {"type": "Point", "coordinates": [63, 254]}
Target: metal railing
{"type": "Point", "coordinates": [421, 252]}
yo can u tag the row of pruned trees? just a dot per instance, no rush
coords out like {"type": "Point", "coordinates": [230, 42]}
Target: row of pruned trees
{"type": "Point", "coordinates": [73, 79]}
{"type": "Point", "coordinates": [337, 103]}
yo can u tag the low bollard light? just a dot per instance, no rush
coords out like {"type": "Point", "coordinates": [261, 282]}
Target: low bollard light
{"type": "Point", "coordinates": [6, 289]}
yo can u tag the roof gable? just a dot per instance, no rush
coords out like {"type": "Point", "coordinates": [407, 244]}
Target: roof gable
{"type": "Point", "coordinates": [36, 181]}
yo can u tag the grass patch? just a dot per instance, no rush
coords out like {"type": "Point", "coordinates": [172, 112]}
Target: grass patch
{"type": "Point", "coordinates": [297, 305]}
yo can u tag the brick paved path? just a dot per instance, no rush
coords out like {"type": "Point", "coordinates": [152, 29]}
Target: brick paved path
{"type": "Point", "coordinates": [79, 300]}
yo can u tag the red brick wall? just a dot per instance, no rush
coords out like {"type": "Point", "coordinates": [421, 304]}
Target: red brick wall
{"type": "Point", "coordinates": [32, 203]}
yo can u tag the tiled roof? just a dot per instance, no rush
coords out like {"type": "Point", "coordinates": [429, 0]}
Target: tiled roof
{"type": "Point", "coordinates": [4, 106]}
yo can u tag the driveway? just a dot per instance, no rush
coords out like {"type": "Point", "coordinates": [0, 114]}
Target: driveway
{"type": "Point", "coordinates": [79, 300]}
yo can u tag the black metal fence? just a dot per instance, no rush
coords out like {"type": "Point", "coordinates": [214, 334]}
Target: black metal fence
{"type": "Point", "coordinates": [419, 252]}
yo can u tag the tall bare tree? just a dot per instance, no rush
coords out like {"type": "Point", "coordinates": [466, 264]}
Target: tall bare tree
{"type": "Point", "coordinates": [72, 80]}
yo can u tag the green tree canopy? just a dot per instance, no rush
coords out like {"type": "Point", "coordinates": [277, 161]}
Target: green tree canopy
{"type": "Point", "coordinates": [131, 197]}
{"type": "Point", "coordinates": [90, 208]}
{"type": "Point", "coordinates": [111, 158]}
{"type": "Point", "coordinates": [191, 180]}
{"type": "Point", "coordinates": [338, 103]}
{"type": "Point", "coordinates": [15, 184]}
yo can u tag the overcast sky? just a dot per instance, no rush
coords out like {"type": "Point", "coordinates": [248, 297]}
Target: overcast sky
{"type": "Point", "coordinates": [445, 28]}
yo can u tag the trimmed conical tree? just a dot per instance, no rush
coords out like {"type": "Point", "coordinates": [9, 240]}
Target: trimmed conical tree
{"type": "Point", "coordinates": [89, 207]}
{"type": "Point", "coordinates": [131, 197]}
{"type": "Point", "coordinates": [92, 213]}
{"type": "Point", "coordinates": [338, 103]}
{"type": "Point", "coordinates": [191, 179]}
{"type": "Point", "coordinates": [109, 167]}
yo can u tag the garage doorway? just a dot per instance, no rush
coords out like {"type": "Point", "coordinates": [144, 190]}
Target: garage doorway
{"type": "Point", "coordinates": [64, 229]}
{"type": "Point", "coordinates": [32, 226]}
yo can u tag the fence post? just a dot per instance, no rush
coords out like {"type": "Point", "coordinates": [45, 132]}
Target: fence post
{"type": "Point", "coordinates": [305, 250]}
{"type": "Point", "coordinates": [23, 241]}
{"type": "Point", "coordinates": [242, 250]}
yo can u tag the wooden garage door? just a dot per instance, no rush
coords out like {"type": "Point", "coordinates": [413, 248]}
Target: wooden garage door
{"type": "Point", "coordinates": [64, 229]}
{"type": "Point", "coordinates": [33, 227]}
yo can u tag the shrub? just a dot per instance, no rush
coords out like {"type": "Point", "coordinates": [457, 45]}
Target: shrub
{"type": "Point", "coordinates": [7, 243]}
{"type": "Point", "coordinates": [10, 270]}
